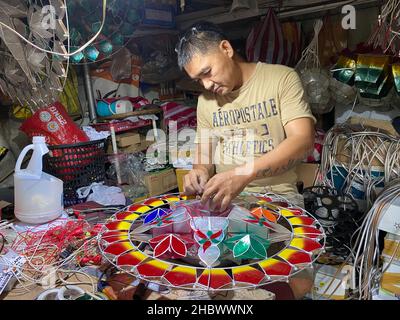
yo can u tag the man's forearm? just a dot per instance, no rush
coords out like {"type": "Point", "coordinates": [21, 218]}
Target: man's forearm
{"type": "Point", "coordinates": [284, 157]}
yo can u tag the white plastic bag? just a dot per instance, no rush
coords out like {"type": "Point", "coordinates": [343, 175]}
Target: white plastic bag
{"type": "Point", "coordinates": [102, 194]}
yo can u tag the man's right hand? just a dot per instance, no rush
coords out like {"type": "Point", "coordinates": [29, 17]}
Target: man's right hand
{"type": "Point", "coordinates": [194, 182]}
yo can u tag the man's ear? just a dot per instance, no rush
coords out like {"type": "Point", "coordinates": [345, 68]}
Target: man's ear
{"type": "Point", "coordinates": [226, 48]}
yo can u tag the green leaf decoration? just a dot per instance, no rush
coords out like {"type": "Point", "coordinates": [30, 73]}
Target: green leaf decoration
{"type": "Point", "coordinates": [242, 246]}
{"type": "Point", "coordinates": [247, 246]}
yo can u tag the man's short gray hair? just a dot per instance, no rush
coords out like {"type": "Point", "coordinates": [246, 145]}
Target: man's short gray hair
{"type": "Point", "coordinates": [201, 37]}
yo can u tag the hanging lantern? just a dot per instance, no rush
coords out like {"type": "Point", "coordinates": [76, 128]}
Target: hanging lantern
{"type": "Point", "coordinates": [316, 85]}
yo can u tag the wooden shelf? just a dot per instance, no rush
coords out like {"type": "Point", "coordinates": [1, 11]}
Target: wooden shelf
{"type": "Point", "coordinates": [121, 126]}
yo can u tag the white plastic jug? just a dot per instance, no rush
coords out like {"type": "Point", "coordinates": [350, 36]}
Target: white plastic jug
{"type": "Point", "coordinates": [38, 196]}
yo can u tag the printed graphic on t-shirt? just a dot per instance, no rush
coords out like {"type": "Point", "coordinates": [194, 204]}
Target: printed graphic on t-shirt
{"type": "Point", "coordinates": [256, 112]}
{"type": "Point", "coordinates": [251, 140]}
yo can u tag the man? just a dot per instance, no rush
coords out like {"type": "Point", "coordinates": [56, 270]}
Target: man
{"type": "Point", "coordinates": [254, 125]}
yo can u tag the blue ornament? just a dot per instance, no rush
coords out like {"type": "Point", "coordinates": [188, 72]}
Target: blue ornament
{"type": "Point", "coordinates": [77, 57]}
{"type": "Point", "coordinates": [106, 47]}
{"type": "Point", "coordinates": [155, 214]}
{"type": "Point", "coordinates": [118, 39]}
{"type": "Point", "coordinates": [92, 53]}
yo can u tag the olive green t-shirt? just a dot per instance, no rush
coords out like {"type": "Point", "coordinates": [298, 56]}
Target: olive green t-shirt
{"type": "Point", "coordinates": [249, 122]}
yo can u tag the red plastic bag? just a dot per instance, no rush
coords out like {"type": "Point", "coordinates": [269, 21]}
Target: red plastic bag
{"type": "Point", "coordinates": [184, 116]}
{"type": "Point", "coordinates": [55, 125]}
{"type": "Point", "coordinates": [318, 146]}
{"type": "Point", "coordinates": [270, 41]}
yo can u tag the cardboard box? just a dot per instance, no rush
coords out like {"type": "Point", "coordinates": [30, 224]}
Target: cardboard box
{"type": "Point", "coordinates": [130, 149]}
{"type": "Point", "coordinates": [384, 126]}
{"type": "Point", "coordinates": [344, 151]}
{"type": "Point", "coordinates": [137, 147]}
{"type": "Point", "coordinates": [161, 182]}
{"type": "Point", "coordinates": [392, 247]}
{"type": "Point", "coordinates": [127, 139]}
{"type": "Point", "coordinates": [390, 281]}
{"type": "Point", "coordinates": [307, 173]}
{"type": "Point", "coordinates": [331, 283]}
{"type": "Point", "coordinates": [180, 174]}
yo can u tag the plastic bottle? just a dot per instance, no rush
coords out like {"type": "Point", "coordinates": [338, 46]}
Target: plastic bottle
{"type": "Point", "coordinates": [38, 196]}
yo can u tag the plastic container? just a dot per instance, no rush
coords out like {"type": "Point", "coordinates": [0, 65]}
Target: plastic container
{"type": "Point", "coordinates": [38, 196]}
{"type": "Point", "coordinates": [107, 108]}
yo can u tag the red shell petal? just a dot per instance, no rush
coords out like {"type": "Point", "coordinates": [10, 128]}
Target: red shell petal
{"type": "Point", "coordinates": [216, 235]}
{"type": "Point", "coordinates": [178, 246]}
{"type": "Point", "coordinates": [162, 247]}
{"type": "Point", "coordinates": [201, 234]}
{"type": "Point", "coordinates": [206, 245]}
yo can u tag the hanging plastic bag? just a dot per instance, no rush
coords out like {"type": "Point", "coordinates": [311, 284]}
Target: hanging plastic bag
{"type": "Point", "coordinates": [315, 80]}
{"type": "Point", "coordinates": [105, 86]}
{"type": "Point", "coordinates": [271, 42]}
{"type": "Point", "coordinates": [121, 67]}
{"type": "Point", "coordinates": [292, 34]}
{"type": "Point", "coordinates": [332, 41]}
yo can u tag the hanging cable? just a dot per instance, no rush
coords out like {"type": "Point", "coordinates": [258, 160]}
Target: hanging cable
{"type": "Point", "coordinates": [69, 54]}
{"type": "Point", "coordinates": [366, 160]}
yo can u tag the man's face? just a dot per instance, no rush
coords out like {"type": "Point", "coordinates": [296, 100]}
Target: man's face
{"type": "Point", "coordinates": [214, 70]}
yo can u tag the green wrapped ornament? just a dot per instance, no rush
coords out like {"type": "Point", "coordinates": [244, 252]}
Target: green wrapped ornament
{"type": "Point", "coordinates": [396, 76]}
{"type": "Point", "coordinates": [371, 73]}
{"type": "Point", "coordinates": [371, 92]}
{"type": "Point", "coordinates": [348, 66]}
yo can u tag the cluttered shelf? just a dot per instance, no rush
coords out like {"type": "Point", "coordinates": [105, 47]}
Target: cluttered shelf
{"type": "Point", "coordinates": [154, 110]}
{"type": "Point", "coordinates": [121, 125]}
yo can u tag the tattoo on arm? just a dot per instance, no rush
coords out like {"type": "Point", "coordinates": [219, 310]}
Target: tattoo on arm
{"type": "Point", "coordinates": [269, 172]}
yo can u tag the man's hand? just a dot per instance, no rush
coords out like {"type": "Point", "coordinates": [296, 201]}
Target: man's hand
{"type": "Point", "coordinates": [223, 188]}
{"type": "Point", "coordinates": [194, 182]}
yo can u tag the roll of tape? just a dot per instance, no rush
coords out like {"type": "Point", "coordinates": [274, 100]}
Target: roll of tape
{"type": "Point", "coordinates": [70, 293]}
{"type": "Point", "coordinates": [51, 294]}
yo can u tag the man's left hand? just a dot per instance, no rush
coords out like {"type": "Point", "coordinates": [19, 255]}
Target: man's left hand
{"type": "Point", "coordinates": [223, 188]}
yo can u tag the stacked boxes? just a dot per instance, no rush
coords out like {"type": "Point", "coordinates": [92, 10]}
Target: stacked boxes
{"type": "Point", "coordinates": [130, 142]}
{"type": "Point", "coordinates": [390, 282]}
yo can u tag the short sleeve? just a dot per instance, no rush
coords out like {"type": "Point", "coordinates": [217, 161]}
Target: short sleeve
{"type": "Point", "coordinates": [202, 122]}
{"type": "Point", "coordinates": [292, 99]}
